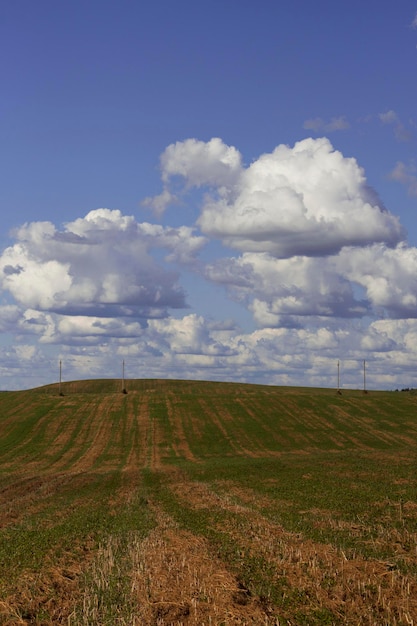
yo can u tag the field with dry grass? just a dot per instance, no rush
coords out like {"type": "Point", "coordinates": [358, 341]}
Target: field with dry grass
{"type": "Point", "coordinates": [194, 503]}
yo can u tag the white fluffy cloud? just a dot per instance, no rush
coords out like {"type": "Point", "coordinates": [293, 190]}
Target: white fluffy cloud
{"type": "Point", "coordinates": [307, 200]}
{"type": "Point", "coordinates": [192, 347]}
{"type": "Point", "coordinates": [358, 281]}
{"type": "Point", "coordinates": [202, 163]}
{"type": "Point", "coordinates": [388, 276]}
{"type": "Point", "coordinates": [300, 286]}
{"type": "Point", "coordinates": [315, 239]}
{"type": "Point", "coordinates": [313, 256]}
{"type": "Point", "coordinates": [199, 163]}
{"type": "Point", "coordinates": [98, 265]}
{"type": "Point", "coordinates": [190, 335]}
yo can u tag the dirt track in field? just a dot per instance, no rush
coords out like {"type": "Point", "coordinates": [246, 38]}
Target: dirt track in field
{"type": "Point", "coordinates": [176, 578]}
{"type": "Point", "coordinates": [348, 587]}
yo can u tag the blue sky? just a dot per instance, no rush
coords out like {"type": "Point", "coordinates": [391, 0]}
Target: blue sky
{"type": "Point", "coordinates": [223, 190]}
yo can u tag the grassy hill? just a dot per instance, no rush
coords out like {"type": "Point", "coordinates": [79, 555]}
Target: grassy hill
{"type": "Point", "coordinates": [185, 502]}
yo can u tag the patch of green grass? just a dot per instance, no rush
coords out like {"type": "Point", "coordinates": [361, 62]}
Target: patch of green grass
{"type": "Point", "coordinates": [82, 527]}
{"type": "Point", "coordinates": [70, 522]}
{"type": "Point", "coordinates": [353, 501]}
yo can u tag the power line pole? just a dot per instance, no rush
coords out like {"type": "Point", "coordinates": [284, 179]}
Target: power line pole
{"type": "Point", "coordinates": [123, 377]}
{"type": "Point", "coordinates": [338, 378]}
{"type": "Point", "coordinates": [60, 378]}
{"type": "Point", "coordinates": [364, 377]}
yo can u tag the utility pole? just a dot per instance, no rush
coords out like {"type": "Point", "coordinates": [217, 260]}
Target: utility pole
{"type": "Point", "coordinates": [364, 377]}
{"type": "Point", "coordinates": [60, 378]}
{"type": "Point", "coordinates": [338, 378]}
{"type": "Point", "coordinates": [123, 377]}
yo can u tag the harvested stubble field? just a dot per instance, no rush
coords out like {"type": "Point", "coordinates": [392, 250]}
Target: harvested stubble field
{"type": "Point", "coordinates": [193, 503]}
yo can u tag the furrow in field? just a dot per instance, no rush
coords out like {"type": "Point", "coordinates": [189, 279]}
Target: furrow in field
{"type": "Point", "coordinates": [63, 433]}
{"type": "Point", "coordinates": [369, 430]}
{"type": "Point", "coordinates": [265, 435]}
{"type": "Point", "coordinates": [26, 496]}
{"type": "Point", "coordinates": [101, 430]}
{"type": "Point", "coordinates": [135, 427]}
{"type": "Point", "coordinates": [250, 434]}
{"type": "Point", "coordinates": [178, 580]}
{"type": "Point", "coordinates": [136, 454]}
{"type": "Point", "coordinates": [357, 590]}
{"type": "Point", "coordinates": [280, 421]}
{"type": "Point", "coordinates": [155, 441]}
{"type": "Point", "coordinates": [301, 424]}
{"type": "Point", "coordinates": [145, 432]}
{"type": "Point", "coordinates": [312, 430]}
{"type": "Point", "coordinates": [224, 430]}
{"type": "Point", "coordinates": [30, 433]}
{"type": "Point", "coordinates": [180, 442]}
{"type": "Point", "coordinates": [92, 437]}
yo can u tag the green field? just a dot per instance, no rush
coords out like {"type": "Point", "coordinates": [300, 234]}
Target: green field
{"type": "Point", "coordinates": [196, 503]}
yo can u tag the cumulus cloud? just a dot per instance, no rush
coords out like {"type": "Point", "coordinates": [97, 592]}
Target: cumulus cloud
{"type": "Point", "coordinates": [189, 347]}
{"type": "Point", "coordinates": [300, 286]}
{"type": "Point", "coordinates": [190, 335]}
{"type": "Point", "coordinates": [202, 163]}
{"type": "Point", "coordinates": [315, 239]}
{"type": "Point", "coordinates": [318, 125]}
{"type": "Point", "coordinates": [372, 280]}
{"type": "Point", "coordinates": [307, 200]}
{"type": "Point", "coordinates": [97, 265]}
{"type": "Point", "coordinates": [317, 260]}
{"type": "Point", "coordinates": [211, 163]}
{"type": "Point", "coordinates": [88, 330]}
{"type": "Point", "coordinates": [387, 275]}
{"type": "Point", "coordinates": [192, 347]}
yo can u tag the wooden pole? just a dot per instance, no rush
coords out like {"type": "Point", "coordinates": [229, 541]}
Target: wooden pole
{"type": "Point", "coordinates": [123, 377]}
{"type": "Point", "coordinates": [60, 378]}
{"type": "Point", "coordinates": [338, 377]}
{"type": "Point", "coordinates": [364, 377]}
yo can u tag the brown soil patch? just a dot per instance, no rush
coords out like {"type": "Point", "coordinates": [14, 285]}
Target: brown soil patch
{"type": "Point", "coordinates": [53, 592]}
{"type": "Point", "coordinates": [249, 497]}
{"type": "Point", "coordinates": [177, 581]}
{"type": "Point", "coordinates": [356, 589]}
